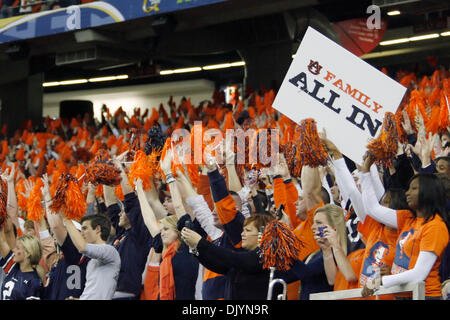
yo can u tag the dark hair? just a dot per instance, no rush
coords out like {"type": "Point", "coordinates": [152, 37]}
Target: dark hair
{"type": "Point", "coordinates": [445, 179]}
{"type": "Point", "coordinates": [431, 198]}
{"type": "Point", "coordinates": [99, 220]}
{"type": "Point", "coordinates": [325, 195]}
{"type": "Point", "coordinates": [244, 115]}
{"type": "Point", "coordinates": [398, 199]}
{"type": "Point", "coordinates": [447, 158]}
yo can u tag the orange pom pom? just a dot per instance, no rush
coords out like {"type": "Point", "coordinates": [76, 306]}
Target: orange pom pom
{"type": "Point", "coordinates": [99, 190]}
{"type": "Point", "coordinates": [119, 193]}
{"type": "Point", "coordinates": [143, 167]}
{"type": "Point", "coordinates": [75, 202]}
{"type": "Point", "coordinates": [102, 171]}
{"type": "Point", "coordinates": [384, 148]}
{"type": "Point", "coordinates": [20, 154]}
{"type": "Point", "coordinates": [310, 151]}
{"type": "Point", "coordinates": [443, 114]}
{"type": "Point", "coordinates": [279, 246]}
{"type": "Point", "coordinates": [21, 200]}
{"type": "Point", "coordinates": [34, 207]}
{"type": "Point", "coordinates": [69, 199]}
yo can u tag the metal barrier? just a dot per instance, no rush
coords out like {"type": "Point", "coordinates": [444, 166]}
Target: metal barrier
{"type": "Point", "coordinates": [418, 292]}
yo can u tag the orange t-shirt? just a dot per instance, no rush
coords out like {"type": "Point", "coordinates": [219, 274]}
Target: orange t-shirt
{"type": "Point", "coordinates": [415, 236]}
{"type": "Point", "coordinates": [355, 258]}
{"type": "Point", "coordinates": [305, 234]}
{"type": "Point", "coordinates": [380, 249]}
{"type": "Point", "coordinates": [309, 245]}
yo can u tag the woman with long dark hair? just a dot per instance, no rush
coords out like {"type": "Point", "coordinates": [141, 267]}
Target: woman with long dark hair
{"type": "Point", "coordinates": [422, 229]}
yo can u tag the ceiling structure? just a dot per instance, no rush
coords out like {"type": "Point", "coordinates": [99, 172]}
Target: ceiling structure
{"type": "Point", "coordinates": [213, 34]}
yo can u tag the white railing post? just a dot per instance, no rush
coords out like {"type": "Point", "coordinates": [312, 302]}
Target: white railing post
{"type": "Point", "coordinates": [417, 289]}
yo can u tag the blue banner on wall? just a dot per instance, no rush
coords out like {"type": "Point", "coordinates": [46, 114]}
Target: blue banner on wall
{"type": "Point", "coordinates": [88, 15]}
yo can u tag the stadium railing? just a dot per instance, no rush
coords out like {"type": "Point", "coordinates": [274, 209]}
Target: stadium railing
{"type": "Point", "coordinates": [417, 289]}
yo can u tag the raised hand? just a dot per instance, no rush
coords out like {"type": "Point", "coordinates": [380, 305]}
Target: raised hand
{"type": "Point", "coordinates": [190, 237]}
{"type": "Point", "coordinates": [166, 163]}
{"type": "Point", "coordinates": [138, 184]}
{"type": "Point", "coordinates": [46, 187]}
{"type": "Point", "coordinates": [367, 163]}
{"type": "Point", "coordinates": [406, 124]}
{"type": "Point", "coordinates": [210, 162]}
{"type": "Point", "coordinates": [29, 185]}
{"type": "Point", "coordinates": [419, 122]}
{"type": "Point", "coordinates": [229, 153]}
{"type": "Point", "coordinates": [8, 175]}
{"type": "Point", "coordinates": [329, 146]}
{"type": "Point", "coordinates": [427, 146]}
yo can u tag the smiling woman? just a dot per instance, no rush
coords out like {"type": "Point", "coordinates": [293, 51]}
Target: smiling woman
{"type": "Point", "coordinates": [22, 281]}
{"type": "Point", "coordinates": [423, 231]}
{"type": "Point", "coordinates": [246, 278]}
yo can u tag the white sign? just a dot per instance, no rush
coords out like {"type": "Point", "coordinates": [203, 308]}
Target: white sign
{"type": "Point", "coordinates": [344, 94]}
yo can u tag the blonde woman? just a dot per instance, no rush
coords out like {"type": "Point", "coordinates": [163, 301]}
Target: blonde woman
{"type": "Point", "coordinates": [320, 269]}
{"type": "Point", "coordinates": [22, 280]}
{"type": "Point", "coordinates": [178, 269]}
{"type": "Point", "coordinates": [331, 236]}
{"type": "Point", "coordinates": [174, 276]}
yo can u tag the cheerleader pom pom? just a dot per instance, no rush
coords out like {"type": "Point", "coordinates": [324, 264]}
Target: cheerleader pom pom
{"type": "Point", "coordinates": [34, 207]}
{"type": "Point", "coordinates": [384, 148]}
{"type": "Point", "coordinates": [102, 171]}
{"type": "Point", "coordinates": [279, 246]}
{"type": "Point", "coordinates": [310, 150]}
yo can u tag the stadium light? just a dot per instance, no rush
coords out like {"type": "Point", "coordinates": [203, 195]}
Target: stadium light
{"type": "Point", "coordinates": [415, 38]}
{"type": "Point", "coordinates": [69, 82]}
{"type": "Point", "coordinates": [80, 81]}
{"type": "Point", "coordinates": [393, 13]}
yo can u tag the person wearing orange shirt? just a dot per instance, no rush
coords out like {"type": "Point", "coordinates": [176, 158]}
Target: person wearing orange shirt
{"type": "Point", "coordinates": [379, 239]}
{"type": "Point", "coordinates": [423, 231]}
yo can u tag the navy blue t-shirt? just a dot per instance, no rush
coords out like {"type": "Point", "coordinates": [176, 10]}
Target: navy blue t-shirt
{"type": "Point", "coordinates": [133, 244]}
{"type": "Point", "coordinates": [68, 277]}
{"type": "Point", "coordinates": [19, 285]}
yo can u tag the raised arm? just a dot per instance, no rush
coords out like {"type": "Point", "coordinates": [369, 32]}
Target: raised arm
{"type": "Point", "coordinates": [146, 210]}
{"type": "Point", "coordinates": [75, 235]}
{"type": "Point", "coordinates": [155, 203]}
{"type": "Point", "coordinates": [48, 245]}
{"type": "Point", "coordinates": [199, 207]}
{"type": "Point", "coordinates": [376, 182]}
{"type": "Point", "coordinates": [12, 206]}
{"type": "Point", "coordinates": [346, 182]}
{"type": "Point", "coordinates": [54, 220]}
{"type": "Point", "coordinates": [124, 183]}
{"type": "Point", "coordinates": [382, 214]}
{"type": "Point", "coordinates": [4, 247]}
{"type": "Point", "coordinates": [174, 192]}
{"type": "Point", "coordinates": [231, 219]}
{"type": "Point", "coordinates": [234, 183]}
{"type": "Point", "coordinates": [312, 186]}
{"type": "Point", "coordinates": [340, 258]}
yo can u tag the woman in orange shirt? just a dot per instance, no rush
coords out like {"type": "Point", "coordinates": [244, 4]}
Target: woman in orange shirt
{"type": "Point", "coordinates": [423, 231]}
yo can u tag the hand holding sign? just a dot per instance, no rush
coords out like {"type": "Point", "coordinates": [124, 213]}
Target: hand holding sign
{"type": "Point", "coordinates": [341, 92]}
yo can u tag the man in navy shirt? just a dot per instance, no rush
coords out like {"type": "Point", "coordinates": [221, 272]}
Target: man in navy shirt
{"type": "Point", "coordinates": [132, 241]}
{"type": "Point", "coordinates": [68, 276]}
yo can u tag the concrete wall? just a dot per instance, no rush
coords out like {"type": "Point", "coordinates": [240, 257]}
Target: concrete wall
{"type": "Point", "coordinates": [130, 97]}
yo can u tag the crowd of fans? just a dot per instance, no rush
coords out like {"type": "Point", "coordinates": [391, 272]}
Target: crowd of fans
{"type": "Point", "coordinates": [11, 8]}
{"type": "Point", "coordinates": [112, 208]}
